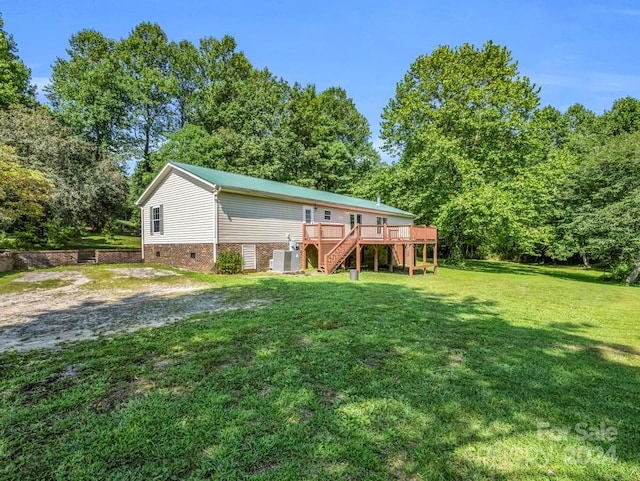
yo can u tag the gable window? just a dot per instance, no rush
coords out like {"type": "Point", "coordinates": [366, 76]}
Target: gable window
{"type": "Point", "coordinates": [327, 215]}
{"type": "Point", "coordinates": [156, 220]}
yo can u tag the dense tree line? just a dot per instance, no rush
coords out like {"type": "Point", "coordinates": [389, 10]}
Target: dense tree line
{"type": "Point", "coordinates": [53, 182]}
{"type": "Point", "coordinates": [155, 100]}
{"type": "Point", "coordinates": [149, 99]}
{"type": "Point", "coordinates": [501, 176]}
{"type": "Point", "coordinates": [477, 154]}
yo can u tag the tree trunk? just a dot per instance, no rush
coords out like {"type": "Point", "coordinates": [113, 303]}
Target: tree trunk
{"type": "Point", "coordinates": [147, 142]}
{"type": "Point", "coordinates": [635, 272]}
{"type": "Point", "coordinates": [585, 261]}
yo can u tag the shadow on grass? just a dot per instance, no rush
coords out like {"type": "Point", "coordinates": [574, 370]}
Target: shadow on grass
{"type": "Point", "coordinates": [559, 272]}
{"type": "Point", "coordinates": [332, 380]}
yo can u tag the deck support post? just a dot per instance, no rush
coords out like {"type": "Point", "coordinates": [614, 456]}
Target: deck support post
{"type": "Point", "coordinates": [390, 256]}
{"type": "Point", "coordinates": [435, 258]}
{"type": "Point", "coordinates": [358, 256]}
{"type": "Point", "coordinates": [303, 257]}
{"type": "Point", "coordinates": [375, 258]}
{"type": "Point", "coordinates": [412, 261]}
{"type": "Point", "coordinates": [321, 265]}
{"type": "Point", "coordinates": [424, 259]}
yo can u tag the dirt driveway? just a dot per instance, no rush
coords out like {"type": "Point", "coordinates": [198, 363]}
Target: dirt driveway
{"type": "Point", "coordinates": [60, 306]}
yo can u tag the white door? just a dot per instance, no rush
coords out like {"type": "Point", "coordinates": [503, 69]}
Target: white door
{"type": "Point", "coordinates": [355, 219]}
{"type": "Point", "coordinates": [307, 214]}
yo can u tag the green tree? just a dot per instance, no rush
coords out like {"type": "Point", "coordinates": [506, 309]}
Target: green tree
{"type": "Point", "coordinates": [151, 88]}
{"type": "Point", "coordinates": [248, 121]}
{"type": "Point", "coordinates": [24, 192]}
{"type": "Point", "coordinates": [88, 91]}
{"type": "Point", "coordinates": [223, 72]}
{"type": "Point", "coordinates": [15, 77]}
{"type": "Point", "coordinates": [85, 191]}
{"type": "Point", "coordinates": [624, 117]}
{"type": "Point", "coordinates": [601, 218]}
{"type": "Point", "coordinates": [332, 140]}
{"type": "Point", "coordinates": [473, 97]}
{"type": "Point", "coordinates": [464, 123]}
{"type": "Point", "coordinates": [184, 62]}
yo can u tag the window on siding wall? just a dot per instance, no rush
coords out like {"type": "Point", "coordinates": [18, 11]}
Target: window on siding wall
{"type": "Point", "coordinates": [327, 215]}
{"type": "Point", "coordinates": [380, 221]}
{"type": "Point", "coordinates": [156, 220]}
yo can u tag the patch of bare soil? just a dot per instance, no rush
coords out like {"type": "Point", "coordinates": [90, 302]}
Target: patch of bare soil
{"type": "Point", "coordinates": [141, 272]}
{"type": "Point", "coordinates": [78, 278]}
{"type": "Point", "coordinates": [43, 318]}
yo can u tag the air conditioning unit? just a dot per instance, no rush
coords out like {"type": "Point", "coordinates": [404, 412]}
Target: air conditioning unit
{"type": "Point", "coordinates": [286, 261]}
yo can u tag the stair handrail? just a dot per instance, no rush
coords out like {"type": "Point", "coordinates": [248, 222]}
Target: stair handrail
{"type": "Point", "coordinates": [337, 246]}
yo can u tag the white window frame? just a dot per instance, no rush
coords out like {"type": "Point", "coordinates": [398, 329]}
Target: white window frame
{"type": "Point", "coordinates": [306, 208]}
{"type": "Point", "coordinates": [380, 221]}
{"type": "Point", "coordinates": [156, 222]}
{"type": "Point", "coordinates": [327, 215]}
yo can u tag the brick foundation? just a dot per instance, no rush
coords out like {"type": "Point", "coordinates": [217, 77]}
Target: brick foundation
{"type": "Point", "coordinates": [264, 252]}
{"type": "Point", "coordinates": [39, 259]}
{"type": "Point", "coordinates": [6, 261]}
{"type": "Point", "coordinates": [118, 256]}
{"type": "Point", "coordinates": [179, 255]}
{"type": "Point", "coordinates": [195, 257]}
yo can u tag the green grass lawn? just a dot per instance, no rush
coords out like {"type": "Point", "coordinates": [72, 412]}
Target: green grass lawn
{"type": "Point", "coordinates": [100, 241]}
{"type": "Point", "coordinates": [498, 371]}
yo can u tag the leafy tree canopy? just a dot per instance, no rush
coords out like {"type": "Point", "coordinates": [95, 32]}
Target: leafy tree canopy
{"type": "Point", "coordinates": [24, 192]}
{"type": "Point", "coordinates": [15, 77]}
{"type": "Point", "coordinates": [85, 191]}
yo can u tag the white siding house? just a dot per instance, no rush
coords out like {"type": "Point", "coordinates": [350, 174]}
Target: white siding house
{"type": "Point", "coordinates": [184, 201]}
{"type": "Point", "coordinates": [190, 214]}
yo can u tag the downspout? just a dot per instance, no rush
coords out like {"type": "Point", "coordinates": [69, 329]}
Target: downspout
{"type": "Point", "coordinates": [215, 224]}
{"type": "Point", "coordinates": [142, 230]}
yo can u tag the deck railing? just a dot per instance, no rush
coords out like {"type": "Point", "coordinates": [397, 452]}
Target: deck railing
{"type": "Point", "coordinates": [372, 233]}
{"type": "Point", "coordinates": [322, 232]}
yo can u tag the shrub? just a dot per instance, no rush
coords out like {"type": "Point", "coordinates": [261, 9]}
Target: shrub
{"type": "Point", "coordinates": [115, 227]}
{"type": "Point", "coordinates": [229, 263]}
{"type": "Point", "coordinates": [58, 235]}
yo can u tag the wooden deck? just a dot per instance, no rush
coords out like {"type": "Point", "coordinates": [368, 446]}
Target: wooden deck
{"type": "Point", "coordinates": [335, 244]}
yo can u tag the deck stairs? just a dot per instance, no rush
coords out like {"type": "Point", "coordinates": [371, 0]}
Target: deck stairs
{"type": "Point", "coordinates": [340, 252]}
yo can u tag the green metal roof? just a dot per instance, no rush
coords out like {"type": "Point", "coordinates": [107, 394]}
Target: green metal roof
{"type": "Point", "coordinates": [279, 189]}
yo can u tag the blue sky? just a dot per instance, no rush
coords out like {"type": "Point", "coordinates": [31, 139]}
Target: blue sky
{"type": "Point", "coordinates": [577, 51]}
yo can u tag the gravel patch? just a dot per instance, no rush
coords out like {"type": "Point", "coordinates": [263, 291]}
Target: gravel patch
{"type": "Point", "coordinates": [45, 318]}
{"type": "Point", "coordinates": [141, 272]}
{"type": "Point", "coordinates": [76, 276]}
